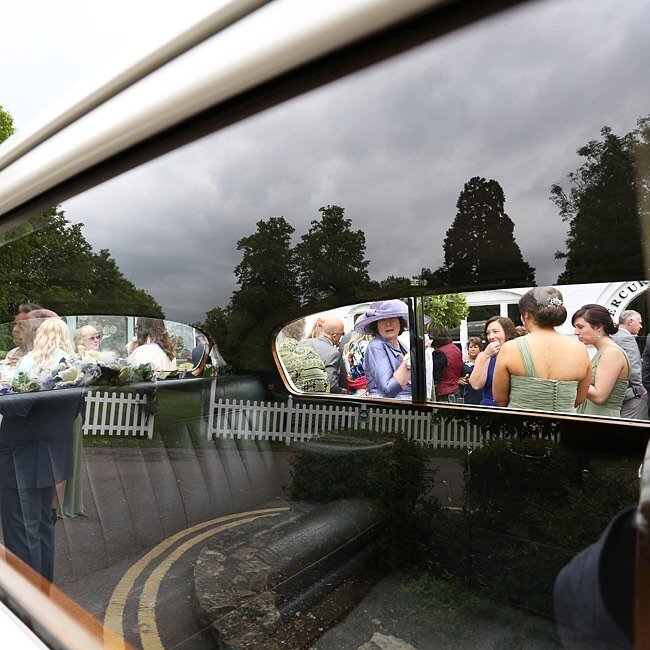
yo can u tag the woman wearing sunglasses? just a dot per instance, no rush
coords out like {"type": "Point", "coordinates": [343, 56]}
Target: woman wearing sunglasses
{"type": "Point", "coordinates": [88, 337]}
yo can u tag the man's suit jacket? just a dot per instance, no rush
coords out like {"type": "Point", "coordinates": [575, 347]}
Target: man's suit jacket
{"type": "Point", "coordinates": [628, 342]}
{"type": "Point", "coordinates": [331, 357]}
{"type": "Point", "coordinates": [645, 373]}
{"type": "Point", "coordinates": [36, 437]}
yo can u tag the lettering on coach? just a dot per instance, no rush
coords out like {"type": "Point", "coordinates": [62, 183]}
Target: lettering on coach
{"type": "Point", "coordinates": [623, 296]}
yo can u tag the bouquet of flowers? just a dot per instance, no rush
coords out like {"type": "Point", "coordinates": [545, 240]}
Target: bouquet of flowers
{"type": "Point", "coordinates": [117, 371]}
{"type": "Point", "coordinates": [77, 370]}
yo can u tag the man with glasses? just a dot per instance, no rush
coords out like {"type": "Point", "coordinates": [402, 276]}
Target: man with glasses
{"type": "Point", "coordinates": [327, 347]}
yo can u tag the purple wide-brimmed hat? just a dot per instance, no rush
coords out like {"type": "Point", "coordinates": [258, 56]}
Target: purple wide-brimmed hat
{"type": "Point", "coordinates": [384, 309]}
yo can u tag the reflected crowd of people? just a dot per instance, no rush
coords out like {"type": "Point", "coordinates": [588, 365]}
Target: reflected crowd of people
{"type": "Point", "coordinates": [41, 449]}
{"type": "Point", "coordinates": [151, 344]}
{"type": "Point", "coordinates": [598, 371]}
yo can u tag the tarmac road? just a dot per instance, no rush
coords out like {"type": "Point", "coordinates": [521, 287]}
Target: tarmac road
{"type": "Point", "coordinates": [130, 561]}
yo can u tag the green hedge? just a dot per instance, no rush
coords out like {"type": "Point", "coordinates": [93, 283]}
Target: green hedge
{"type": "Point", "coordinates": [528, 509]}
{"type": "Point", "coordinates": [385, 468]}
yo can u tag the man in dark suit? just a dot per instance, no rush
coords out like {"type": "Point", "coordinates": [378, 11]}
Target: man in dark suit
{"type": "Point", "coordinates": [35, 455]}
{"type": "Point", "coordinates": [645, 374]}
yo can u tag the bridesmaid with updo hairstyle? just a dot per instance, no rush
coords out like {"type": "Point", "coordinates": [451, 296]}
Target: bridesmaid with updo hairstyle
{"type": "Point", "coordinates": [611, 367]}
{"type": "Point", "coordinates": [544, 370]}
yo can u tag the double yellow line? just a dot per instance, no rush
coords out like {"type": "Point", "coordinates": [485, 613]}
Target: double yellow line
{"type": "Point", "coordinates": [114, 617]}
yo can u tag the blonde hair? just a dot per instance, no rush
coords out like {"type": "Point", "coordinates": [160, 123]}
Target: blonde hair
{"type": "Point", "coordinates": [52, 335]}
{"type": "Point", "coordinates": [317, 329]}
{"type": "Point", "coordinates": [354, 339]}
{"type": "Point", "coordinates": [81, 333]}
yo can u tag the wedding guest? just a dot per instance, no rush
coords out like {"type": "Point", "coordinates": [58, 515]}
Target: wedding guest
{"type": "Point", "coordinates": [33, 320]}
{"type": "Point", "coordinates": [635, 403]}
{"type": "Point", "coordinates": [86, 338]}
{"type": "Point", "coordinates": [326, 345]}
{"type": "Point", "coordinates": [198, 350]}
{"type": "Point", "coordinates": [386, 362]}
{"type": "Point", "coordinates": [154, 346]}
{"type": "Point", "coordinates": [354, 353]}
{"type": "Point", "coordinates": [317, 329]}
{"type": "Point", "coordinates": [36, 448]}
{"type": "Point", "coordinates": [49, 338]}
{"type": "Point", "coordinates": [611, 366]}
{"type": "Point", "coordinates": [544, 370]}
{"type": "Point", "coordinates": [498, 330]}
{"type": "Point", "coordinates": [10, 362]}
{"type": "Point", "coordinates": [447, 385]}
{"type": "Point", "coordinates": [302, 362]}
{"type": "Point", "coordinates": [71, 498]}
{"type": "Point", "coordinates": [469, 394]}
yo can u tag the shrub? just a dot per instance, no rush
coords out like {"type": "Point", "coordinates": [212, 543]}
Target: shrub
{"type": "Point", "coordinates": [528, 509]}
{"type": "Point", "coordinates": [386, 468]}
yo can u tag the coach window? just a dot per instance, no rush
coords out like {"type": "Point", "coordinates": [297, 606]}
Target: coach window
{"type": "Point", "coordinates": [612, 323]}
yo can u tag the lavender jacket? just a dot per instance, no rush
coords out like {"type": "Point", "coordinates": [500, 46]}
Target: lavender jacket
{"type": "Point", "coordinates": [380, 362]}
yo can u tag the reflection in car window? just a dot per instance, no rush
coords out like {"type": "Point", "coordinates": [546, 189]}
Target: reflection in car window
{"type": "Point", "coordinates": [563, 367]}
{"type": "Point", "coordinates": [559, 374]}
{"type": "Point", "coordinates": [423, 180]}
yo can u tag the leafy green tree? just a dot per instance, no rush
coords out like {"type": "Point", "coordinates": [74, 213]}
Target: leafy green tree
{"type": "Point", "coordinates": [605, 207]}
{"type": "Point", "coordinates": [392, 285]}
{"type": "Point", "coordinates": [446, 310]}
{"type": "Point", "coordinates": [266, 273]}
{"type": "Point", "coordinates": [267, 288]}
{"type": "Point", "coordinates": [480, 247]}
{"type": "Point", "coordinates": [6, 125]}
{"type": "Point", "coordinates": [331, 254]}
{"type": "Point", "coordinates": [48, 261]}
{"type": "Point", "coordinates": [216, 325]}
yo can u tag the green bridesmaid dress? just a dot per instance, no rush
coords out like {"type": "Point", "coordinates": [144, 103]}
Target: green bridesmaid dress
{"type": "Point", "coordinates": [537, 393]}
{"type": "Point", "coordinates": [612, 405]}
{"type": "Point", "coordinates": [72, 502]}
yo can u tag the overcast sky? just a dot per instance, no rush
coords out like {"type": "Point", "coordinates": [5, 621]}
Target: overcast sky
{"type": "Point", "coordinates": [511, 98]}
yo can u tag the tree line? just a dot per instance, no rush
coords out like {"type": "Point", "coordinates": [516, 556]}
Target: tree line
{"type": "Point", "coordinates": [605, 206]}
{"type": "Point", "coordinates": [48, 260]}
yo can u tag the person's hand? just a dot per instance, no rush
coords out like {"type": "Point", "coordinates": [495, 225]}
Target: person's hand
{"type": "Point", "coordinates": [407, 360]}
{"type": "Point", "coordinates": [463, 381]}
{"type": "Point", "coordinates": [492, 349]}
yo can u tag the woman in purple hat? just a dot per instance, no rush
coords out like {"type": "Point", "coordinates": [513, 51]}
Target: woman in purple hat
{"type": "Point", "coordinates": [387, 363]}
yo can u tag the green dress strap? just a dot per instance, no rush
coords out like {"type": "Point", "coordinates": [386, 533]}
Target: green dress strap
{"type": "Point", "coordinates": [526, 356]}
{"type": "Point", "coordinates": [596, 358]}
{"type": "Point", "coordinates": [612, 405]}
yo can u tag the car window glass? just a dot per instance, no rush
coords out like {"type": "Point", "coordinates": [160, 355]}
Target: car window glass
{"type": "Point", "coordinates": [424, 178]}
{"type": "Point", "coordinates": [455, 330]}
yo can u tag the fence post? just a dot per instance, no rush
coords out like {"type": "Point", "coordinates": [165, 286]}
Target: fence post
{"type": "Point", "coordinates": [211, 407]}
{"type": "Point", "coordinates": [287, 421]}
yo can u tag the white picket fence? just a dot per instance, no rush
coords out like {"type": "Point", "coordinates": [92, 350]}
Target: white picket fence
{"type": "Point", "coordinates": [117, 414]}
{"type": "Point", "coordinates": [290, 422]}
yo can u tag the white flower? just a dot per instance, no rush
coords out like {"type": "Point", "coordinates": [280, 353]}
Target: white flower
{"type": "Point", "coordinates": [106, 358]}
{"type": "Point", "coordinates": [69, 374]}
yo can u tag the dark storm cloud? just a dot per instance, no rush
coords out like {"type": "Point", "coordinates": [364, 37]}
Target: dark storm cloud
{"type": "Point", "coordinates": [511, 98]}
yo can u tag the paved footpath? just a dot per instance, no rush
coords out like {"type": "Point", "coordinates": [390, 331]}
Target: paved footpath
{"type": "Point", "coordinates": [399, 615]}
